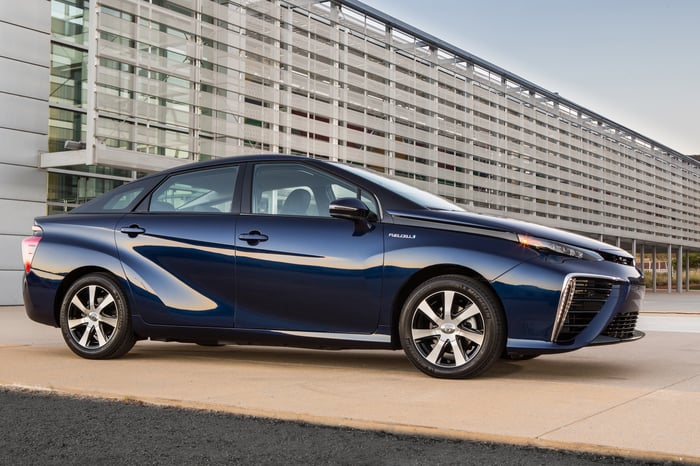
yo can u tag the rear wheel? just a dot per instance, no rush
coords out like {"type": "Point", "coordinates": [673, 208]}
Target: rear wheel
{"type": "Point", "coordinates": [452, 327]}
{"type": "Point", "coordinates": [95, 319]}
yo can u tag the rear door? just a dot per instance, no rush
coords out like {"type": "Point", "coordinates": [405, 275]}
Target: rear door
{"type": "Point", "coordinates": [178, 253]}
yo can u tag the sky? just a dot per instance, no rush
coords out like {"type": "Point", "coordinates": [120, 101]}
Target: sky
{"type": "Point", "coordinates": [635, 62]}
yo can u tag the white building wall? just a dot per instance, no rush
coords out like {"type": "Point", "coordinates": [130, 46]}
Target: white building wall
{"type": "Point", "coordinates": [24, 61]}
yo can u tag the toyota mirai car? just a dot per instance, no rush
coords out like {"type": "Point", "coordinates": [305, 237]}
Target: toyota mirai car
{"type": "Point", "coordinates": [284, 250]}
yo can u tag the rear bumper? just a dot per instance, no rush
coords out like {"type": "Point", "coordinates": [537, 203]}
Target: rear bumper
{"type": "Point", "coordinates": [37, 301]}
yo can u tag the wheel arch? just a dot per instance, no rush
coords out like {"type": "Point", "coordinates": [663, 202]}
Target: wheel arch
{"type": "Point", "coordinates": [424, 275]}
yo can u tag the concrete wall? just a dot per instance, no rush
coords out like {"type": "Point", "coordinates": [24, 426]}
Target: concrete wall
{"type": "Point", "coordinates": [24, 92]}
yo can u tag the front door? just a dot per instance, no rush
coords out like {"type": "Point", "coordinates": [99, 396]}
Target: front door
{"type": "Point", "coordinates": [298, 268]}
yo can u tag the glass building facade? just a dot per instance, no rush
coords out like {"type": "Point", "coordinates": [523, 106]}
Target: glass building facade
{"type": "Point", "coordinates": [147, 84]}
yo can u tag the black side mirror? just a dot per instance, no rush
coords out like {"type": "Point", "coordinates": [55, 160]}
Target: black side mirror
{"type": "Point", "coordinates": [351, 208]}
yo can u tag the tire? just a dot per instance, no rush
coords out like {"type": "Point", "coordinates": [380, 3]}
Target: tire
{"type": "Point", "coordinates": [95, 319]}
{"type": "Point", "coordinates": [464, 343]}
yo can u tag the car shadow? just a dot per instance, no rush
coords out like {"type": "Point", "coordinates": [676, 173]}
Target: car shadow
{"type": "Point", "coordinates": [568, 369]}
{"type": "Point", "coordinates": [555, 368]}
{"type": "Point", "coordinates": [380, 360]}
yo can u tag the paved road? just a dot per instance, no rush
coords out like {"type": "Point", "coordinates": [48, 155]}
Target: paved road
{"type": "Point", "coordinates": [39, 428]}
{"type": "Point", "coordinates": [639, 399]}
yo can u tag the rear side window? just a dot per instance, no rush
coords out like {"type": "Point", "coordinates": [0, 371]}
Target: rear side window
{"type": "Point", "coordinates": [122, 199]}
{"type": "Point", "coordinates": [205, 191]}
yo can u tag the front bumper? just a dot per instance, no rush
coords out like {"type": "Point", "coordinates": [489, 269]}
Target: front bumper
{"type": "Point", "coordinates": [585, 302]}
{"type": "Point", "coordinates": [622, 327]}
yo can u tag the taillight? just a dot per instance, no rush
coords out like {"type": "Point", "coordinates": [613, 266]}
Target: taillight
{"type": "Point", "coordinates": [29, 246]}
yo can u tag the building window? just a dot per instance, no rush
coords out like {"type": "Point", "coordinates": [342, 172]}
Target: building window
{"type": "Point", "coordinates": [68, 76]}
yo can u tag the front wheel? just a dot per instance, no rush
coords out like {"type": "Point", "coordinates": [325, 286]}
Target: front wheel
{"type": "Point", "coordinates": [95, 319]}
{"type": "Point", "coordinates": [452, 327]}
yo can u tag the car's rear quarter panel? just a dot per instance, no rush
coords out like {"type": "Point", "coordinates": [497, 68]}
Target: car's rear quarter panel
{"type": "Point", "coordinates": [70, 244]}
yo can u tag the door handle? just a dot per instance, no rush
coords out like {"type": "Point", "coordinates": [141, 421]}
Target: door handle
{"type": "Point", "coordinates": [253, 238]}
{"type": "Point", "coordinates": [133, 230]}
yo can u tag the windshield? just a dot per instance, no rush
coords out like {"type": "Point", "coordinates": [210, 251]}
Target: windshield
{"type": "Point", "coordinates": [418, 196]}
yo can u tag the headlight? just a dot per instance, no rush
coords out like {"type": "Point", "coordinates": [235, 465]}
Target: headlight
{"type": "Point", "coordinates": [555, 247]}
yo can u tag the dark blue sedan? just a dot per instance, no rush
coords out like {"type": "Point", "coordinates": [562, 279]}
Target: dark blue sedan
{"type": "Point", "coordinates": [281, 250]}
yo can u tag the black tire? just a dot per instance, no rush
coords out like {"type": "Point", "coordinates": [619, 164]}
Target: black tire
{"type": "Point", "coordinates": [95, 319]}
{"type": "Point", "coordinates": [475, 327]}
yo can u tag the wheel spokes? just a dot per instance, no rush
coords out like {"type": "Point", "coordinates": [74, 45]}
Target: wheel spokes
{"type": "Point", "coordinates": [458, 352]}
{"type": "Point", "coordinates": [89, 321]}
{"type": "Point", "coordinates": [84, 339]}
{"type": "Point", "coordinates": [448, 341]}
{"type": "Point", "coordinates": [73, 323]}
{"type": "Point", "coordinates": [438, 351]}
{"type": "Point", "coordinates": [420, 333]}
{"type": "Point", "coordinates": [425, 308]}
{"type": "Point", "coordinates": [448, 298]}
{"type": "Point", "coordinates": [105, 302]}
{"type": "Point", "coordinates": [471, 335]}
{"type": "Point", "coordinates": [79, 304]}
{"type": "Point", "coordinates": [101, 339]}
{"type": "Point", "coordinates": [91, 297]}
{"type": "Point", "coordinates": [470, 311]}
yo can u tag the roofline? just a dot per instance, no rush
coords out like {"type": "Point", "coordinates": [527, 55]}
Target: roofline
{"type": "Point", "coordinates": [424, 36]}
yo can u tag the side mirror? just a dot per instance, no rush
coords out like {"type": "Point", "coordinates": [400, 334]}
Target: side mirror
{"type": "Point", "coordinates": [353, 209]}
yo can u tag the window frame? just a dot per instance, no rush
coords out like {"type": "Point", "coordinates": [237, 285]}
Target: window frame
{"type": "Point", "coordinates": [335, 179]}
{"type": "Point", "coordinates": [146, 203]}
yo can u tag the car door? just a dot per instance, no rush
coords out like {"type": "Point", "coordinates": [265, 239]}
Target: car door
{"type": "Point", "coordinates": [297, 267]}
{"type": "Point", "coordinates": [178, 253]}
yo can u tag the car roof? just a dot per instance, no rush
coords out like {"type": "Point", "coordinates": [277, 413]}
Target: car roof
{"type": "Point", "coordinates": [235, 159]}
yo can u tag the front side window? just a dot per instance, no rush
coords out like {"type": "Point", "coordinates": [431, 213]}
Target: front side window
{"type": "Point", "coordinates": [204, 191]}
{"type": "Point", "coordinates": [296, 189]}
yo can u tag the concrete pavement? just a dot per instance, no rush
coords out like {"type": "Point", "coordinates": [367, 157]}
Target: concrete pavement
{"type": "Point", "coordinates": [640, 399]}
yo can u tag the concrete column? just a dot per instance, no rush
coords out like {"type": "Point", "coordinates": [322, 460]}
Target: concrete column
{"type": "Point", "coordinates": [687, 270]}
{"type": "Point", "coordinates": [679, 269]}
{"type": "Point", "coordinates": [653, 269]}
{"type": "Point", "coordinates": [669, 267]}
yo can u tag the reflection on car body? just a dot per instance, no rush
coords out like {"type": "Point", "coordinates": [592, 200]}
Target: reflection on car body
{"type": "Point", "coordinates": [284, 250]}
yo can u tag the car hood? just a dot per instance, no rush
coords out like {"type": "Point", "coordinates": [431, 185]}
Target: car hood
{"type": "Point", "coordinates": [501, 224]}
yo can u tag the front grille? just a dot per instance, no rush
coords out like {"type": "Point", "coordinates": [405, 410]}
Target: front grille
{"type": "Point", "coordinates": [622, 326]}
{"type": "Point", "coordinates": [589, 295]}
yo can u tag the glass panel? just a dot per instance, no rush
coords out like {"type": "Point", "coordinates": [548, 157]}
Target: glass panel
{"type": "Point", "coordinates": [293, 189]}
{"type": "Point", "coordinates": [201, 191]}
{"type": "Point", "coordinates": [102, 170]}
{"type": "Point", "coordinates": [65, 125]}
{"type": "Point", "coordinates": [69, 20]}
{"type": "Point", "coordinates": [73, 190]}
{"type": "Point", "coordinates": [68, 76]}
